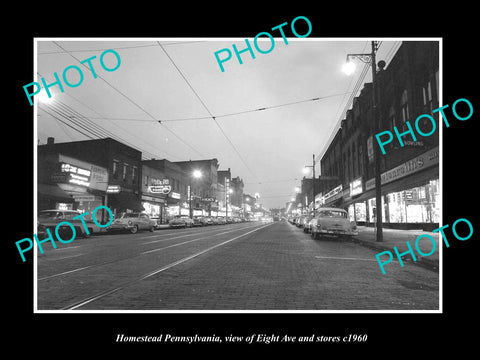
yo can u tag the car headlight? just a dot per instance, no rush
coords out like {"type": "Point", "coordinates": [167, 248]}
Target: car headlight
{"type": "Point", "coordinates": [129, 222]}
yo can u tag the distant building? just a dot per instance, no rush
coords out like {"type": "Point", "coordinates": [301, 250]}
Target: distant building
{"type": "Point", "coordinates": [204, 188]}
{"type": "Point", "coordinates": [169, 183]}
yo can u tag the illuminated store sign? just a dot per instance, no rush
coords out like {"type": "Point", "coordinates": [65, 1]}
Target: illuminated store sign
{"type": "Point", "coordinates": [113, 189]}
{"type": "Point", "coordinates": [160, 186]}
{"type": "Point", "coordinates": [356, 187]}
{"type": "Point", "coordinates": [335, 193]}
{"type": "Point", "coordinates": [75, 174]}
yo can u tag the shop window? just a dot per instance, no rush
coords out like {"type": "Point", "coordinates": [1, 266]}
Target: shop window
{"type": "Point", "coordinates": [416, 205]}
{"type": "Point", "coordinates": [124, 176]}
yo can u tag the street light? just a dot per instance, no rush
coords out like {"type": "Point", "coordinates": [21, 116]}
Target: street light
{"type": "Point", "coordinates": [348, 68]}
{"type": "Point", "coordinates": [305, 170]}
{"type": "Point", "coordinates": [196, 174]}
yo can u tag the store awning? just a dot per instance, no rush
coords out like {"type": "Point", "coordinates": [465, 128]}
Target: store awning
{"type": "Point", "coordinates": [53, 191]}
{"type": "Point", "coordinates": [124, 200]}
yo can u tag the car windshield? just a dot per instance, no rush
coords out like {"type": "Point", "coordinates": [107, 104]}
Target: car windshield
{"type": "Point", "coordinates": [49, 214]}
{"type": "Point", "coordinates": [333, 214]}
{"type": "Point", "coordinates": [130, 215]}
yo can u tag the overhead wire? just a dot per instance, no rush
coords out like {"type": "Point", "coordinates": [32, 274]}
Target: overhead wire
{"type": "Point", "coordinates": [206, 108]}
{"type": "Point", "coordinates": [132, 102]}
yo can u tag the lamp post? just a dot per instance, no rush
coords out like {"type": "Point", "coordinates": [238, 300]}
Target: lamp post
{"type": "Point", "coordinates": [305, 168]}
{"type": "Point", "coordinates": [348, 69]}
{"type": "Point", "coordinates": [196, 174]}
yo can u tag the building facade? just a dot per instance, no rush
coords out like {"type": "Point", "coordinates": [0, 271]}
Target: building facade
{"type": "Point", "coordinates": [204, 188]}
{"type": "Point", "coordinates": [407, 88]}
{"type": "Point", "coordinates": [115, 169]}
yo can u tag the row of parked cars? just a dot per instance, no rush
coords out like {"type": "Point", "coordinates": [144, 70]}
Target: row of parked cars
{"type": "Point", "coordinates": [130, 222]}
{"type": "Point", "coordinates": [185, 221]}
{"type": "Point", "coordinates": [326, 222]}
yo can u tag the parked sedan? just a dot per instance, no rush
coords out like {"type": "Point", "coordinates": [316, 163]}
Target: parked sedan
{"type": "Point", "coordinates": [133, 222]}
{"type": "Point", "coordinates": [49, 219]}
{"type": "Point", "coordinates": [199, 221]}
{"type": "Point", "coordinates": [306, 223]}
{"type": "Point", "coordinates": [181, 221]}
{"type": "Point", "coordinates": [333, 222]}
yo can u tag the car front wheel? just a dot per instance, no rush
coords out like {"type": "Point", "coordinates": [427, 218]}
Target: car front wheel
{"type": "Point", "coordinates": [134, 229]}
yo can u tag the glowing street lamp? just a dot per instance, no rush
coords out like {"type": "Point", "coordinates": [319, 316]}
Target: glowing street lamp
{"type": "Point", "coordinates": [349, 68]}
{"type": "Point", "coordinates": [196, 174]}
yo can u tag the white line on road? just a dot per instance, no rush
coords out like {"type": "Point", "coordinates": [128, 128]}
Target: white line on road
{"type": "Point", "coordinates": [103, 294]}
{"type": "Point", "coordinates": [61, 258]}
{"type": "Point", "coordinates": [342, 258]}
{"type": "Point", "coordinates": [68, 248]}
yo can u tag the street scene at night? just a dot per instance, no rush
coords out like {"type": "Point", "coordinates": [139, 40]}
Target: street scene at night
{"type": "Point", "coordinates": [198, 174]}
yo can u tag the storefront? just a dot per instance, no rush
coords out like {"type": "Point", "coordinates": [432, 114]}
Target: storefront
{"type": "Point", "coordinates": [154, 194]}
{"type": "Point", "coordinates": [410, 195]}
{"type": "Point", "coordinates": [66, 183]}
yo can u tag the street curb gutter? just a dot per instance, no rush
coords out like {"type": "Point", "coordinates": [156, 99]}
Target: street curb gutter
{"type": "Point", "coordinates": [421, 260]}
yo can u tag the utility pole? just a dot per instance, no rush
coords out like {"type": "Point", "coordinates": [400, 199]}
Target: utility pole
{"type": "Point", "coordinates": [313, 184]}
{"type": "Point", "coordinates": [376, 126]}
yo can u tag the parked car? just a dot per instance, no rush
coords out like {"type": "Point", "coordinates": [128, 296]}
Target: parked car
{"type": "Point", "coordinates": [214, 220]}
{"type": "Point", "coordinates": [133, 222]}
{"type": "Point", "coordinates": [221, 220]}
{"type": "Point", "coordinates": [208, 220]}
{"type": "Point", "coordinates": [306, 223]}
{"type": "Point", "coordinates": [332, 222]}
{"type": "Point", "coordinates": [199, 221]}
{"type": "Point", "coordinates": [157, 222]}
{"type": "Point", "coordinates": [299, 221]}
{"type": "Point", "coordinates": [180, 221]}
{"type": "Point", "coordinates": [49, 219]}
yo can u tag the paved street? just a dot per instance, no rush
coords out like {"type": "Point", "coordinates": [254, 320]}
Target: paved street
{"type": "Point", "coordinates": [245, 266]}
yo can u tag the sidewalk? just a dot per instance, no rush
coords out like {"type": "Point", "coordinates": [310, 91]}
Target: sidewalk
{"type": "Point", "coordinates": [399, 238]}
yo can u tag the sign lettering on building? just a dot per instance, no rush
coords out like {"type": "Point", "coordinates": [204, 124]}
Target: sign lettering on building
{"type": "Point", "coordinates": [409, 167]}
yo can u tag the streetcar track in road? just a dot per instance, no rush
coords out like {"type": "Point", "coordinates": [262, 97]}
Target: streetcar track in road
{"type": "Point", "coordinates": [63, 273]}
{"type": "Point", "coordinates": [189, 241]}
{"type": "Point", "coordinates": [102, 294]}
{"type": "Point", "coordinates": [127, 257]}
{"type": "Point", "coordinates": [186, 235]}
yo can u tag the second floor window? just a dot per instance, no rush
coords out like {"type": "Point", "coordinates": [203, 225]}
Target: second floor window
{"type": "Point", "coordinates": [404, 107]}
{"type": "Point", "coordinates": [115, 169]}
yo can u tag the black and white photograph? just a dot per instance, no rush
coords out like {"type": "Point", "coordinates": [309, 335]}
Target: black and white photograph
{"type": "Point", "coordinates": [243, 186]}
{"type": "Point", "coordinates": [211, 179]}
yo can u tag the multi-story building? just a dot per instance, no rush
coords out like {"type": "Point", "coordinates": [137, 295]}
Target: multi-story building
{"type": "Point", "coordinates": [204, 187]}
{"type": "Point", "coordinates": [170, 182]}
{"type": "Point", "coordinates": [406, 89]}
{"type": "Point", "coordinates": [113, 168]}
{"type": "Point", "coordinates": [236, 196]}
